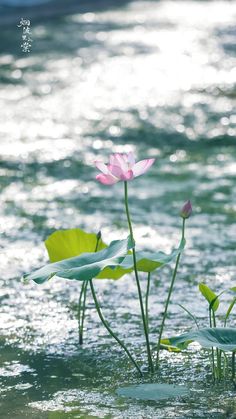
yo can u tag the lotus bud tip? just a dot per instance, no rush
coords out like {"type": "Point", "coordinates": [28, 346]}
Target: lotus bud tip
{"type": "Point", "coordinates": [187, 210]}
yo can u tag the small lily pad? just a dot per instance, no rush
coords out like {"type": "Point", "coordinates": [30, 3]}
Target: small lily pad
{"type": "Point", "coordinates": [152, 391]}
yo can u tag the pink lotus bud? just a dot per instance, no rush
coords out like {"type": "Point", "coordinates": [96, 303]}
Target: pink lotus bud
{"type": "Point", "coordinates": [186, 210]}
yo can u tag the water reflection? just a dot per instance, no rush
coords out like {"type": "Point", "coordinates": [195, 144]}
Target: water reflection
{"type": "Point", "coordinates": [157, 78]}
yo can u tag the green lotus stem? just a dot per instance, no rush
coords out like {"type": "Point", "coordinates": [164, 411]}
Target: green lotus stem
{"type": "Point", "coordinates": [218, 351]}
{"type": "Point", "coordinates": [82, 305]}
{"type": "Point", "coordinates": [190, 314]}
{"type": "Point", "coordinates": [213, 364]}
{"type": "Point", "coordinates": [218, 358]}
{"type": "Point", "coordinates": [233, 365]}
{"type": "Point", "coordinates": [226, 365]}
{"type": "Point", "coordinates": [168, 299]}
{"type": "Point", "coordinates": [147, 298]}
{"type": "Point", "coordinates": [149, 355]}
{"type": "Point", "coordinates": [79, 314]}
{"type": "Point", "coordinates": [83, 311]}
{"type": "Point", "coordinates": [212, 351]}
{"type": "Point", "coordinates": [109, 328]}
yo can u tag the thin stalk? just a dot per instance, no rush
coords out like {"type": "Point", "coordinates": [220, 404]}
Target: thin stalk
{"type": "Point", "coordinates": [79, 314]}
{"type": "Point", "coordinates": [210, 319]}
{"type": "Point", "coordinates": [213, 364]}
{"type": "Point", "coordinates": [190, 315]}
{"type": "Point", "coordinates": [213, 318]}
{"type": "Point", "coordinates": [214, 370]}
{"type": "Point", "coordinates": [226, 366]}
{"type": "Point", "coordinates": [147, 298]}
{"type": "Point", "coordinates": [233, 365]}
{"type": "Point", "coordinates": [83, 311]}
{"type": "Point", "coordinates": [168, 299]}
{"type": "Point", "coordinates": [110, 330]}
{"type": "Point", "coordinates": [82, 304]}
{"type": "Point", "coordinates": [218, 358]}
{"type": "Point", "coordinates": [218, 351]}
{"type": "Point", "coordinates": [149, 355]}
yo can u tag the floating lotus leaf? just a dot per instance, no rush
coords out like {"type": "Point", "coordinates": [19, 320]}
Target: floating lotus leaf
{"type": "Point", "coordinates": [154, 391]}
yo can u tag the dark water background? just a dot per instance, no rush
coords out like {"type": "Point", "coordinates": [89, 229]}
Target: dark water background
{"type": "Point", "coordinates": [158, 78]}
{"type": "Point", "coordinates": [22, 3]}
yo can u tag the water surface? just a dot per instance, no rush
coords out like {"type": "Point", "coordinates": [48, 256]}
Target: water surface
{"type": "Point", "coordinates": [157, 78]}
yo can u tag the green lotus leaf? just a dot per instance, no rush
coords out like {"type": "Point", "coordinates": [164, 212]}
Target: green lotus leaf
{"type": "Point", "coordinates": [210, 296]}
{"type": "Point", "coordinates": [65, 244]}
{"type": "Point", "coordinates": [154, 391]}
{"type": "Point", "coordinates": [86, 266]}
{"type": "Point", "coordinates": [218, 337]}
{"type": "Point", "coordinates": [150, 261]}
{"type": "Point", "coordinates": [231, 306]}
{"type": "Point", "coordinates": [165, 344]}
{"type": "Point", "coordinates": [115, 273]}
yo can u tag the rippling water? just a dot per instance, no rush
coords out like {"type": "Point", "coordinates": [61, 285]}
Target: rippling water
{"type": "Point", "coordinates": [22, 3]}
{"type": "Point", "coordinates": [158, 78]}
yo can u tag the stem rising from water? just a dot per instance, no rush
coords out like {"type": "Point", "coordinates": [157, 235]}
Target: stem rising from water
{"type": "Point", "coordinates": [168, 299]}
{"type": "Point", "coordinates": [149, 355]}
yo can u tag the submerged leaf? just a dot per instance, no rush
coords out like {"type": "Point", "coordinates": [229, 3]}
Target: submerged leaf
{"type": "Point", "coordinates": [210, 296]}
{"type": "Point", "coordinates": [217, 337]}
{"type": "Point", "coordinates": [85, 266]}
{"type": "Point", "coordinates": [150, 261]}
{"type": "Point", "coordinates": [152, 391]}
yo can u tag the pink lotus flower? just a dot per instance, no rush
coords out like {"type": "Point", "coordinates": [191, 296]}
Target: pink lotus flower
{"type": "Point", "coordinates": [186, 210]}
{"type": "Point", "coordinates": [121, 167]}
